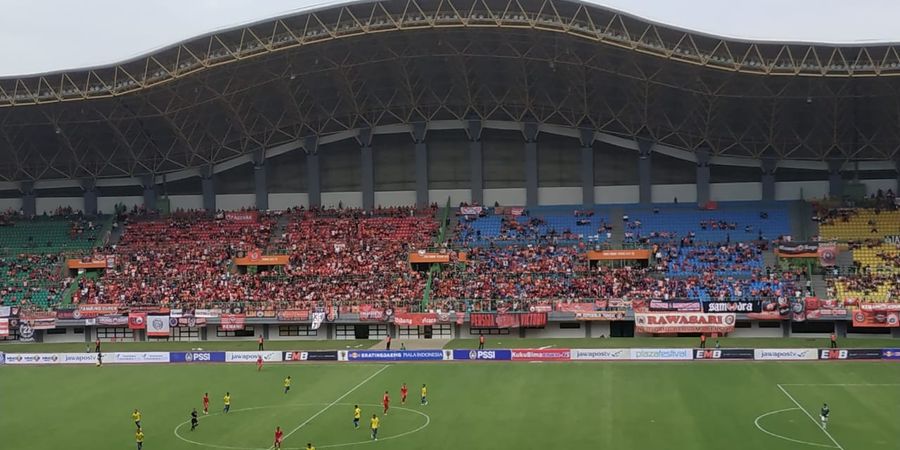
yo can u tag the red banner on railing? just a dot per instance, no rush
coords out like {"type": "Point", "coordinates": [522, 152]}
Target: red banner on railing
{"type": "Point", "coordinates": [684, 323]}
{"type": "Point", "coordinates": [232, 322]}
{"type": "Point", "coordinates": [95, 310]}
{"type": "Point", "coordinates": [369, 312]}
{"type": "Point", "coordinates": [509, 320]}
{"type": "Point", "coordinates": [293, 315]}
{"type": "Point", "coordinates": [137, 321]}
{"type": "Point", "coordinates": [876, 319]}
{"type": "Point", "coordinates": [242, 216]}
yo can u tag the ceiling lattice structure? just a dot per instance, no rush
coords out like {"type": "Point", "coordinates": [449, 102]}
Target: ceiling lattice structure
{"type": "Point", "coordinates": [395, 62]}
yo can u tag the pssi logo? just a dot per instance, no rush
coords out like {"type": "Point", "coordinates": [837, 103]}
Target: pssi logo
{"type": "Point", "coordinates": [197, 357]}
{"type": "Point", "coordinates": [482, 354]}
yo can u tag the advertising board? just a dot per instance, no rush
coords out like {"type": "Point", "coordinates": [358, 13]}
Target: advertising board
{"type": "Point", "coordinates": [726, 353]}
{"type": "Point", "coordinates": [482, 355]}
{"type": "Point", "coordinates": [399, 355]}
{"type": "Point", "coordinates": [599, 354]}
{"type": "Point", "coordinates": [310, 356]}
{"type": "Point", "coordinates": [196, 357]}
{"type": "Point", "coordinates": [785, 354]}
{"type": "Point", "coordinates": [661, 354]}
{"type": "Point", "coordinates": [138, 357]}
{"type": "Point", "coordinates": [541, 354]}
{"type": "Point", "coordinates": [250, 357]}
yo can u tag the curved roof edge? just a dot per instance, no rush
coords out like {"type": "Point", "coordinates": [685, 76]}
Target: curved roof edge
{"type": "Point", "coordinates": [835, 24]}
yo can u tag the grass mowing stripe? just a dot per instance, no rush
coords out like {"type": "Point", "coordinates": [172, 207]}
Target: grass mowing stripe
{"type": "Point", "coordinates": [810, 417]}
{"type": "Point", "coordinates": [335, 402]}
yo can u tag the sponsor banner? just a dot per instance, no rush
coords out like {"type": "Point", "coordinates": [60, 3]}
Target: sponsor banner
{"type": "Point", "coordinates": [116, 321]}
{"type": "Point", "coordinates": [545, 308]}
{"type": "Point", "coordinates": [678, 306]}
{"type": "Point", "coordinates": [470, 210]}
{"type": "Point", "coordinates": [600, 315]}
{"type": "Point", "coordinates": [508, 320]}
{"type": "Point", "coordinates": [399, 355]}
{"type": "Point", "coordinates": [39, 324]}
{"type": "Point", "coordinates": [242, 216]}
{"type": "Point", "coordinates": [252, 356]}
{"type": "Point", "coordinates": [207, 313]}
{"type": "Point", "coordinates": [232, 322]}
{"type": "Point", "coordinates": [293, 315]}
{"type": "Point", "coordinates": [879, 306]}
{"type": "Point", "coordinates": [727, 353]}
{"type": "Point", "coordinates": [618, 255]}
{"type": "Point", "coordinates": [423, 257]}
{"type": "Point", "coordinates": [684, 323]}
{"type": "Point", "coordinates": [95, 310]}
{"type": "Point", "coordinates": [541, 354]}
{"type": "Point", "coordinates": [785, 354]}
{"type": "Point", "coordinates": [158, 325]}
{"type": "Point", "coordinates": [32, 358]}
{"type": "Point", "coordinates": [262, 313]}
{"type": "Point", "coordinates": [255, 258]}
{"type": "Point", "coordinates": [38, 315]}
{"type": "Point", "coordinates": [4, 327]}
{"type": "Point", "coordinates": [577, 307]}
{"type": "Point", "coordinates": [310, 356]}
{"type": "Point", "coordinates": [888, 353]}
{"type": "Point", "coordinates": [136, 357]}
{"type": "Point", "coordinates": [876, 319]}
{"type": "Point", "coordinates": [732, 307]}
{"type": "Point", "coordinates": [78, 358]}
{"type": "Point", "coordinates": [662, 354]}
{"type": "Point", "coordinates": [369, 312]}
{"type": "Point", "coordinates": [89, 263]}
{"type": "Point", "coordinates": [2, 358]}
{"type": "Point", "coordinates": [197, 357]}
{"type": "Point", "coordinates": [850, 353]}
{"type": "Point", "coordinates": [137, 321]}
{"type": "Point", "coordinates": [67, 314]}
{"type": "Point", "coordinates": [798, 250]}
{"type": "Point", "coordinates": [599, 354]}
{"type": "Point", "coordinates": [482, 355]}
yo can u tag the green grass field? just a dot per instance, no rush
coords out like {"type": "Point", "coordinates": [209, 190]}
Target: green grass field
{"type": "Point", "coordinates": [491, 405]}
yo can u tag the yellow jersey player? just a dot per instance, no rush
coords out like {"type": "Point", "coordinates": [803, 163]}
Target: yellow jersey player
{"type": "Point", "coordinates": [227, 401]}
{"type": "Point", "coordinates": [309, 446]}
{"type": "Point", "coordinates": [356, 415]}
{"type": "Point", "coordinates": [139, 439]}
{"type": "Point", "coordinates": [424, 395]}
{"type": "Point", "coordinates": [287, 384]}
{"type": "Point", "coordinates": [136, 417]}
{"type": "Point", "coordinates": [375, 422]}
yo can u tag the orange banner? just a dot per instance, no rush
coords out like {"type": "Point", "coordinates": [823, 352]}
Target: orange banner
{"type": "Point", "coordinates": [91, 263]}
{"type": "Point", "coordinates": [255, 258]}
{"type": "Point", "coordinates": [611, 255]}
{"type": "Point", "coordinates": [428, 258]}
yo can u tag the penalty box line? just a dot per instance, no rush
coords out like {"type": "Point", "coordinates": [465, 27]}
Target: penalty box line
{"type": "Point", "coordinates": [791, 397]}
{"type": "Point", "coordinates": [335, 402]}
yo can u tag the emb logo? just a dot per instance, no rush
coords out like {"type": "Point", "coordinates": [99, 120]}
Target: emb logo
{"type": "Point", "coordinates": [709, 354]}
{"type": "Point", "coordinates": [833, 354]}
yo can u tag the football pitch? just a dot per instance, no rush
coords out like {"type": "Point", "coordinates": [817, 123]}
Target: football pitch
{"type": "Point", "coordinates": [710, 405]}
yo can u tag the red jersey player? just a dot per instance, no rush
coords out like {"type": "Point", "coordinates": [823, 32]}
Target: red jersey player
{"type": "Point", "coordinates": [403, 392]}
{"type": "Point", "coordinates": [259, 363]}
{"type": "Point", "coordinates": [206, 403]}
{"type": "Point", "coordinates": [386, 401]}
{"type": "Point", "coordinates": [279, 435]}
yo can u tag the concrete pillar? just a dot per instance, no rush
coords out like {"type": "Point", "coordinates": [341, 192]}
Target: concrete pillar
{"type": "Point", "coordinates": [209, 189]}
{"type": "Point", "coordinates": [418, 130]}
{"type": "Point", "coordinates": [645, 148]}
{"type": "Point", "coordinates": [367, 169]}
{"type": "Point", "coordinates": [835, 183]}
{"type": "Point", "coordinates": [313, 182]}
{"type": "Point", "coordinates": [149, 184]}
{"type": "Point", "coordinates": [897, 184]}
{"type": "Point", "coordinates": [702, 176]}
{"type": "Point", "coordinates": [476, 162]}
{"type": "Point", "coordinates": [90, 197]}
{"type": "Point", "coordinates": [531, 164]}
{"type": "Point", "coordinates": [768, 179]}
{"type": "Point", "coordinates": [260, 180]}
{"type": "Point", "coordinates": [29, 199]}
{"type": "Point", "coordinates": [587, 168]}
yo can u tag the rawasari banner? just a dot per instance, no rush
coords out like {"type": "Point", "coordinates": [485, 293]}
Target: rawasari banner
{"type": "Point", "coordinates": [684, 323]}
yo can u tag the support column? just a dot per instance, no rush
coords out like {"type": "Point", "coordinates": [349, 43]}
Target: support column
{"type": "Point", "coordinates": [645, 148]}
{"type": "Point", "coordinates": [835, 183]}
{"type": "Point", "coordinates": [90, 196]}
{"type": "Point", "coordinates": [531, 169]}
{"type": "Point", "coordinates": [29, 199]}
{"type": "Point", "coordinates": [702, 176]}
{"type": "Point", "coordinates": [768, 179]}
{"type": "Point", "coordinates": [587, 169]}
{"type": "Point", "coordinates": [209, 189]}
{"type": "Point", "coordinates": [260, 183]}
{"type": "Point", "coordinates": [897, 184]}
{"type": "Point", "coordinates": [367, 168]}
{"type": "Point", "coordinates": [418, 130]}
{"type": "Point", "coordinates": [476, 166]}
{"type": "Point", "coordinates": [313, 182]}
{"type": "Point", "coordinates": [149, 184]}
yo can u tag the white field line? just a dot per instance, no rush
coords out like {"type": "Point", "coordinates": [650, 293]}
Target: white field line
{"type": "Point", "coordinates": [336, 401]}
{"type": "Point", "coordinates": [545, 347]}
{"type": "Point", "coordinates": [797, 441]}
{"type": "Point", "coordinates": [810, 417]}
{"type": "Point", "coordinates": [843, 385]}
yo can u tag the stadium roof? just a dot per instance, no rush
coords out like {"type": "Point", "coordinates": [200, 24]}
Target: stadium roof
{"type": "Point", "coordinates": [328, 70]}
